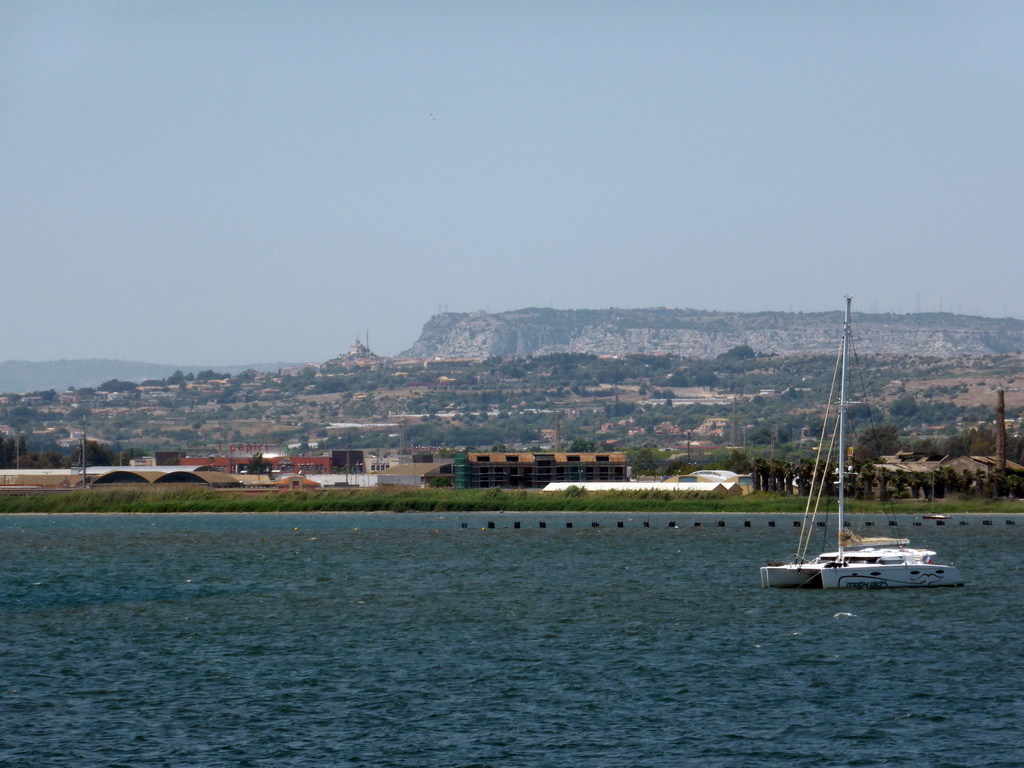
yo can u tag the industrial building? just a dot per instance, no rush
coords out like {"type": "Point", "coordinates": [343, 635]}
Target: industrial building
{"type": "Point", "coordinates": [536, 470]}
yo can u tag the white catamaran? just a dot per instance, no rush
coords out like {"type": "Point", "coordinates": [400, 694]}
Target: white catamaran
{"type": "Point", "coordinates": [857, 562]}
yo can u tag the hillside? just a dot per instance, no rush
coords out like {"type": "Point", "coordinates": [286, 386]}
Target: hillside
{"type": "Point", "coordinates": [761, 403]}
{"type": "Point", "coordinates": [706, 334]}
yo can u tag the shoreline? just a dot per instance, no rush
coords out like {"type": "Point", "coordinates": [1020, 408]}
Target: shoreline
{"type": "Point", "coordinates": [399, 500]}
{"type": "Point", "coordinates": [382, 512]}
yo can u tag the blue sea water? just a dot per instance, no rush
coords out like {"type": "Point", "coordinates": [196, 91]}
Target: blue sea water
{"type": "Point", "coordinates": [410, 640]}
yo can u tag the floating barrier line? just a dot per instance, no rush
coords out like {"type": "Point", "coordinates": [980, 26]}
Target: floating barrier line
{"type": "Point", "coordinates": [517, 524]}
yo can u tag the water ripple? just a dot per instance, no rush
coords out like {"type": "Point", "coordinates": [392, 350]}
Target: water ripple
{"type": "Point", "coordinates": [241, 641]}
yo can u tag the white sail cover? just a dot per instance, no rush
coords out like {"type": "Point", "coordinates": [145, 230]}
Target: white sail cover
{"type": "Point", "coordinates": [848, 538]}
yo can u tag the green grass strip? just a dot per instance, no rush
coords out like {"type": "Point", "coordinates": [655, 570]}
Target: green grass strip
{"type": "Point", "coordinates": [148, 499]}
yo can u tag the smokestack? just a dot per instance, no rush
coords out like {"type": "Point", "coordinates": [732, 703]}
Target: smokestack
{"type": "Point", "coordinates": [1000, 431]}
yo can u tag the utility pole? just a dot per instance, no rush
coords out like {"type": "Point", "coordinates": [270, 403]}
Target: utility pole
{"type": "Point", "coordinates": [732, 425]}
{"type": "Point", "coordinates": [85, 479]}
{"type": "Point", "coordinates": [1001, 431]}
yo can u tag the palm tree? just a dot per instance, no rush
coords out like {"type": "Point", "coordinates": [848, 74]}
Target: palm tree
{"type": "Point", "coordinates": [866, 473]}
{"type": "Point", "coordinates": [788, 474]}
{"type": "Point", "coordinates": [901, 481]}
{"type": "Point", "coordinates": [944, 480]}
{"type": "Point", "coordinates": [804, 470]}
{"type": "Point", "coordinates": [777, 470]}
{"type": "Point", "coordinates": [884, 476]}
{"type": "Point", "coordinates": [971, 481]}
{"type": "Point", "coordinates": [954, 481]}
{"type": "Point", "coordinates": [757, 473]}
{"type": "Point", "coordinates": [1015, 486]}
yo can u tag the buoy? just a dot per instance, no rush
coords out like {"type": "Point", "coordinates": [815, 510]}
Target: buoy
{"type": "Point", "coordinates": [490, 524]}
{"type": "Point", "coordinates": [1011, 522]}
{"type": "Point", "coordinates": [986, 522]}
{"type": "Point", "coordinates": [963, 522]}
{"type": "Point", "coordinates": [595, 525]}
{"type": "Point", "coordinates": [796, 523]}
{"type": "Point", "coordinates": [696, 524]}
{"type": "Point", "coordinates": [568, 525]}
{"type": "Point", "coordinates": [543, 524]}
{"type": "Point", "coordinates": [721, 523]}
{"type": "Point", "coordinates": [515, 524]}
{"type": "Point", "coordinates": [771, 523]}
{"type": "Point", "coordinates": [672, 524]}
{"type": "Point", "coordinates": [746, 523]}
{"type": "Point", "coordinates": [647, 523]}
{"type": "Point", "coordinates": [620, 524]}
{"type": "Point", "coordinates": [821, 525]}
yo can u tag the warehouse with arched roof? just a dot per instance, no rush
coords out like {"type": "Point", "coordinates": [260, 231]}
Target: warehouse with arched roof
{"type": "Point", "coordinates": [151, 476]}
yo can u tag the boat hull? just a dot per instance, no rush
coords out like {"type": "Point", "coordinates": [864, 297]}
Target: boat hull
{"type": "Point", "coordinates": [792, 576]}
{"type": "Point", "coordinates": [889, 576]}
{"type": "Point", "coordinates": [873, 576]}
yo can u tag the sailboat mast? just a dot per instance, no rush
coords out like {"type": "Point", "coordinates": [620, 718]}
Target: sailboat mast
{"type": "Point", "coordinates": [842, 424]}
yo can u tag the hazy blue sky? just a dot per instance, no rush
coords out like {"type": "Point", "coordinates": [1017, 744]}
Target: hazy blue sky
{"type": "Point", "coordinates": [230, 182]}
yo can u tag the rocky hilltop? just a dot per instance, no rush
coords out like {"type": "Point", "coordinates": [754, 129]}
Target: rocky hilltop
{"type": "Point", "coordinates": [705, 334]}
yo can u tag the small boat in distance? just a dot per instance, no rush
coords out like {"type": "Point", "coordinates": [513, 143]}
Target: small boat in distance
{"type": "Point", "coordinates": [857, 562]}
{"type": "Point", "coordinates": [935, 517]}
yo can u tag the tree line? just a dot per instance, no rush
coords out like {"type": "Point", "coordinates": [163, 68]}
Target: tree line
{"type": "Point", "coordinates": [868, 480]}
{"type": "Point", "coordinates": [14, 454]}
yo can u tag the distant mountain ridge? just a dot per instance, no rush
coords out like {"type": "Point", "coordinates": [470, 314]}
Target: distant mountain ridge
{"type": "Point", "coordinates": [23, 376]}
{"type": "Point", "coordinates": [539, 331]}
{"type": "Point", "coordinates": [706, 334]}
